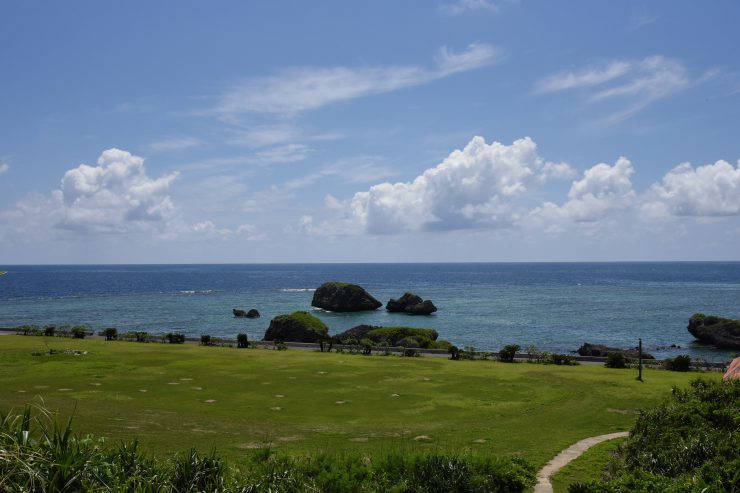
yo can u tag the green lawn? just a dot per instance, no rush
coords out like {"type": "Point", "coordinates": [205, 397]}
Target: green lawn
{"type": "Point", "coordinates": [173, 397]}
{"type": "Point", "coordinates": [587, 467]}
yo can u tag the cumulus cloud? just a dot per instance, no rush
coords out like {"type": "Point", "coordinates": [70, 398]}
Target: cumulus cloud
{"type": "Point", "coordinates": [114, 196]}
{"type": "Point", "coordinates": [636, 83]}
{"type": "Point", "coordinates": [3, 168]}
{"type": "Point", "coordinates": [602, 190]}
{"type": "Point", "coordinates": [471, 187]}
{"type": "Point", "coordinates": [296, 90]}
{"type": "Point", "coordinates": [706, 191]}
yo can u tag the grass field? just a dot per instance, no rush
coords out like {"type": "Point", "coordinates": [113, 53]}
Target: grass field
{"type": "Point", "coordinates": [173, 397]}
{"type": "Point", "coordinates": [587, 467]}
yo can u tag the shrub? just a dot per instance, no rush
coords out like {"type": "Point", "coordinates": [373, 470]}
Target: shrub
{"type": "Point", "coordinates": [205, 340]}
{"type": "Point", "coordinates": [688, 443]}
{"type": "Point", "coordinates": [454, 352]}
{"type": "Point", "coordinates": [561, 359]}
{"type": "Point", "coordinates": [280, 346]}
{"type": "Point", "coordinates": [49, 330]}
{"type": "Point", "coordinates": [79, 332]}
{"type": "Point", "coordinates": [110, 334]}
{"type": "Point", "coordinates": [242, 341]}
{"type": "Point", "coordinates": [175, 337]}
{"type": "Point", "coordinates": [367, 346]}
{"type": "Point", "coordinates": [679, 363]}
{"type": "Point", "coordinates": [410, 352]}
{"type": "Point", "coordinates": [507, 354]}
{"type": "Point", "coordinates": [615, 360]}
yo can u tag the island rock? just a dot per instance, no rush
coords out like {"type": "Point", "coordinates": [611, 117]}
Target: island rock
{"type": "Point", "coordinates": [588, 349]}
{"type": "Point", "coordinates": [412, 304]}
{"type": "Point", "coordinates": [393, 336]}
{"type": "Point", "coordinates": [721, 332]}
{"type": "Point", "coordinates": [296, 327]}
{"type": "Point", "coordinates": [343, 297]}
{"type": "Point", "coordinates": [242, 314]}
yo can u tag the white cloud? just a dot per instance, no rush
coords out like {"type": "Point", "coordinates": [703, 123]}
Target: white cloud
{"type": "Point", "coordinates": [208, 230]}
{"type": "Point", "coordinates": [3, 168]}
{"type": "Point", "coordinates": [471, 187]}
{"type": "Point", "coordinates": [175, 144]}
{"type": "Point", "coordinates": [584, 78]}
{"type": "Point", "coordinates": [635, 84]}
{"type": "Point", "coordinates": [114, 196]}
{"type": "Point", "coordinates": [288, 153]}
{"type": "Point", "coordinates": [463, 6]}
{"type": "Point", "coordinates": [603, 190]}
{"type": "Point", "coordinates": [706, 191]}
{"type": "Point", "coordinates": [296, 90]}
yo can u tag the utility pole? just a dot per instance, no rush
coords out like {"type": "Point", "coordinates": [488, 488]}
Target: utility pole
{"type": "Point", "coordinates": [639, 360]}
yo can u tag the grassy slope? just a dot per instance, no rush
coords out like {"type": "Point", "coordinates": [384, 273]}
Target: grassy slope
{"type": "Point", "coordinates": [587, 467]}
{"type": "Point", "coordinates": [330, 402]}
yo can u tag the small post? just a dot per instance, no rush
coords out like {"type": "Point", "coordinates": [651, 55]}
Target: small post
{"type": "Point", "coordinates": [639, 360]}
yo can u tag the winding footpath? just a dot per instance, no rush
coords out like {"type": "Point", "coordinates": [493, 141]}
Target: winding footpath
{"type": "Point", "coordinates": [567, 455]}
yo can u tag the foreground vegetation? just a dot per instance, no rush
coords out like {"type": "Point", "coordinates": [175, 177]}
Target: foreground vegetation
{"type": "Point", "coordinates": [690, 443]}
{"type": "Point", "coordinates": [37, 454]}
{"type": "Point", "coordinates": [173, 397]}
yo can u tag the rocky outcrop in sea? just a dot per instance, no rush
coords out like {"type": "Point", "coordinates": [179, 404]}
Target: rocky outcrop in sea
{"type": "Point", "coordinates": [344, 297]}
{"type": "Point", "coordinates": [721, 332]}
{"type": "Point", "coordinates": [412, 304]}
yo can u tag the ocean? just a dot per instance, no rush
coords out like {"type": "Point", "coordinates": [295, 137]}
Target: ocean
{"type": "Point", "coordinates": [554, 306]}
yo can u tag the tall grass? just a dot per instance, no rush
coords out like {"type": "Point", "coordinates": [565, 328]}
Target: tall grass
{"type": "Point", "coordinates": [38, 454]}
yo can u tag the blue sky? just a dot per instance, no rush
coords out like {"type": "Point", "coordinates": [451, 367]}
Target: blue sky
{"type": "Point", "coordinates": [468, 130]}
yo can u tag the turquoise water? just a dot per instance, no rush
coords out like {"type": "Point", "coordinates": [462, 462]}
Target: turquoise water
{"type": "Point", "coordinates": [555, 306]}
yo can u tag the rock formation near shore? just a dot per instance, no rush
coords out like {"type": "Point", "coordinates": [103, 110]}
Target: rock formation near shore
{"type": "Point", "coordinates": [242, 314]}
{"type": "Point", "coordinates": [393, 336]}
{"type": "Point", "coordinates": [588, 349]}
{"type": "Point", "coordinates": [296, 327]}
{"type": "Point", "coordinates": [721, 332]}
{"type": "Point", "coordinates": [411, 304]}
{"type": "Point", "coordinates": [343, 297]}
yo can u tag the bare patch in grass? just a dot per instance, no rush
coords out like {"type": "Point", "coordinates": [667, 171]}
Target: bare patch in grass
{"type": "Point", "coordinates": [359, 439]}
{"type": "Point", "coordinates": [423, 438]}
{"type": "Point", "coordinates": [210, 401]}
{"type": "Point", "coordinates": [276, 408]}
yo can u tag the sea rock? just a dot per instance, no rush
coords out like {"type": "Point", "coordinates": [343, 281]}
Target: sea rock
{"type": "Point", "coordinates": [412, 304]}
{"type": "Point", "coordinates": [733, 371]}
{"type": "Point", "coordinates": [296, 327]}
{"type": "Point", "coordinates": [588, 349]}
{"type": "Point", "coordinates": [393, 336]}
{"type": "Point", "coordinates": [424, 308]}
{"type": "Point", "coordinates": [343, 297]}
{"type": "Point", "coordinates": [721, 332]}
{"type": "Point", "coordinates": [401, 303]}
{"type": "Point", "coordinates": [250, 314]}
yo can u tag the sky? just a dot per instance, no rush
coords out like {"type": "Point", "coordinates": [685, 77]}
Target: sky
{"type": "Point", "coordinates": [384, 131]}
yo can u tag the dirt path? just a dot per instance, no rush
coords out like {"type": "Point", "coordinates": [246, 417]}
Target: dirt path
{"type": "Point", "coordinates": [567, 455]}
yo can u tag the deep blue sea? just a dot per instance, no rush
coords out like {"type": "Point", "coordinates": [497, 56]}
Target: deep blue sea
{"type": "Point", "coordinates": [555, 306]}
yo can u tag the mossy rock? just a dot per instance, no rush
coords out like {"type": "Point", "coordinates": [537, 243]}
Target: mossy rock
{"type": "Point", "coordinates": [395, 336]}
{"type": "Point", "coordinates": [296, 327]}
{"type": "Point", "coordinates": [344, 297]}
{"type": "Point", "coordinates": [710, 329]}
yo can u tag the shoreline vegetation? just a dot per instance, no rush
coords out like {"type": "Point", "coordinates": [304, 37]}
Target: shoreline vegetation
{"type": "Point", "coordinates": [531, 353]}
